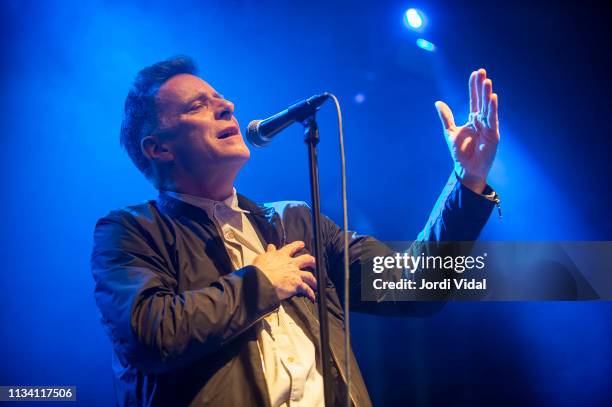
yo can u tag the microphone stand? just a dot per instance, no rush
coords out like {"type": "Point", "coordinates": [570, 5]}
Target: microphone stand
{"type": "Point", "coordinates": [311, 138]}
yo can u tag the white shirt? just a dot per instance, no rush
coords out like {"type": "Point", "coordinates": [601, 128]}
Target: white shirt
{"type": "Point", "coordinates": [288, 355]}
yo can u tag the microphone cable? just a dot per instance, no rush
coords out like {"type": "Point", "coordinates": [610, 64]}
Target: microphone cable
{"type": "Point", "coordinates": [347, 277]}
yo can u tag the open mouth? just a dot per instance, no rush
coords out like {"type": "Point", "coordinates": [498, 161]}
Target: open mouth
{"type": "Point", "coordinates": [229, 132]}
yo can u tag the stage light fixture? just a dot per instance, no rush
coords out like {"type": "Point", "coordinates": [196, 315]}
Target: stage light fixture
{"type": "Point", "coordinates": [426, 45]}
{"type": "Point", "coordinates": [414, 19]}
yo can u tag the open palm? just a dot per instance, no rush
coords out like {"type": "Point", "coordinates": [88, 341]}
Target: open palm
{"type": "Point", "coordinates": [473, 146]}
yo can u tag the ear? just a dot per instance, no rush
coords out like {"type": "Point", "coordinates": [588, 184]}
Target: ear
{"type": "Point", "coordinates": [155, 150]}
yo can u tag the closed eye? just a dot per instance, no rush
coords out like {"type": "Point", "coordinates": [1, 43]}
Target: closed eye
{"type": "Point", "coordinates": [196, 106]}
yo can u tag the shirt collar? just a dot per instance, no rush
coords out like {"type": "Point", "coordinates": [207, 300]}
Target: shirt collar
{"type": "Point", "coordinates": [208, 205]}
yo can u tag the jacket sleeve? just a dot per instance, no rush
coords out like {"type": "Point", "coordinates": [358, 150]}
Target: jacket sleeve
{"type": "Point", "coordinates": [152, 326]}
{"type": "Point", "coordinates": [458, 216]}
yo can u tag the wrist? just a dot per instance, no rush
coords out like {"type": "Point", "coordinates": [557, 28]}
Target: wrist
{"type": "Point", "coordinates": [475, 183]}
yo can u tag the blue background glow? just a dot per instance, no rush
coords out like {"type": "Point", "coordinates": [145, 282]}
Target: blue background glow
{"type": "Point", "coordinates": [66, 70]}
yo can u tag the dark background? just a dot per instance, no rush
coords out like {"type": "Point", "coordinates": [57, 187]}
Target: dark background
{"type": "Point", "coordinates": [65, 72]}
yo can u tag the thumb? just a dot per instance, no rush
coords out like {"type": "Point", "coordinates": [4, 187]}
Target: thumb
{"type": "Point", "coordinates": [446, 116]}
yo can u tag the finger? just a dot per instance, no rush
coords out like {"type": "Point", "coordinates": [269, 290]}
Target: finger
{"type": "Point", "coordinates": [481, 75]}
{"type": "Point", "coordinates": [305, 289]}
{"type": "Point", "coordinates": [473, 93]}
{"type": "Point", "coordinates": [309, 279]}
{"type": "Point", "coordinates": [445, 114]}
{"type": "Point", "coordinates": [487, 90]}
{"type": "Point", "coordinates": [270, 248]}
{"type": "Point", "coordinates": [304, 261]}
{"type": "Point", "coordinates": [292, 248]}
{"type": "Point", "coordinates": [492, 115]}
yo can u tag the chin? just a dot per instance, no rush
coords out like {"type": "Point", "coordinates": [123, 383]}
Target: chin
{"type": "Point", "coordinates": [243, 150]}
{"type": "Point", "coordinates": [239, 154]}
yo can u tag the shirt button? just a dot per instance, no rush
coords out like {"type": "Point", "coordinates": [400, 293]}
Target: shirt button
{"type": "Point", "coordinates": [291, 359]}
{"type": "Point", "coordinates": [229, 235]}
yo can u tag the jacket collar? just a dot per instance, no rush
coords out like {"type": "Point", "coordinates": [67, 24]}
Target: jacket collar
{"type": "Point", "coordinates": [178, 207]}
{"type": "Point", "coordinates": [255, 208]}
{"type": "Point", "coordinates": [267, 222]}
{"type": "Point", "coordinates": [265, 219]}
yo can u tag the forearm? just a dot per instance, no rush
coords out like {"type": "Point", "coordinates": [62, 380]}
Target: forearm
{"type": "Point", "coordinates": [458, 215]}
{"type": "Point", "coordinates": [176, 329]}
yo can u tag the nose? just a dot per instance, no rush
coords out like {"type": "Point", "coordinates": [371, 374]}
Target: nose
{"type": "Point", "coordinates": [225, 110]}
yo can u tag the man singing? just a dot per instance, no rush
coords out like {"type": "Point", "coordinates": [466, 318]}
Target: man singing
{"type": "Point", "coordinates": [207, 297]}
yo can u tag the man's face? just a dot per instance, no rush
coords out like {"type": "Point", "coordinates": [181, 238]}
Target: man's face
{"type": "Point", "coordinates": [203, 132]}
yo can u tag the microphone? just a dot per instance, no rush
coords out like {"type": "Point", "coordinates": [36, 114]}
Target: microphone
{"type": "Point", "coordinates": [260, 132]}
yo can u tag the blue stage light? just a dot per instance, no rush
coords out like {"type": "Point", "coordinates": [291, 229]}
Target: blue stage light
{"type": "Point", "coordinates": [414, 19]}
{"type": "Point", "coordinates": [426, 45]}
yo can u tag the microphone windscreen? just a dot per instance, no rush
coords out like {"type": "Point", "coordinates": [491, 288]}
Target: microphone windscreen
{"type": "Point", "coordinates": [252, 134]}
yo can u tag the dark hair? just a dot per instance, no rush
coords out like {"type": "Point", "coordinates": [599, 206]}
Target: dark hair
{"type": "Point", "coordinates": [140, 117]}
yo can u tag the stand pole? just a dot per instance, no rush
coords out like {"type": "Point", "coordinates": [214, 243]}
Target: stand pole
{"type": "Point", "coordinates": [311, 138]}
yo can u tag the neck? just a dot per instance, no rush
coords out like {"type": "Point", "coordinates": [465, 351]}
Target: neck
{"type": "Point", "coordinates": [216, 185]}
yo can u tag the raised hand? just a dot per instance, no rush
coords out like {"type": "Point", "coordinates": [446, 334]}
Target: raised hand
{"type": "Point", "coordinates": [473, 146]}
{"type": "Point", "coordinates": [285, 272]}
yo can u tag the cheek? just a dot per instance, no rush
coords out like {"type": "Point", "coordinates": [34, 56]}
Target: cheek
{"type": "Point", "coordinates": [193, 145]}
{"type": "Point", "coordinates": [195, 126]}
{"type": "Point", "coordinates": [198, 135]}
